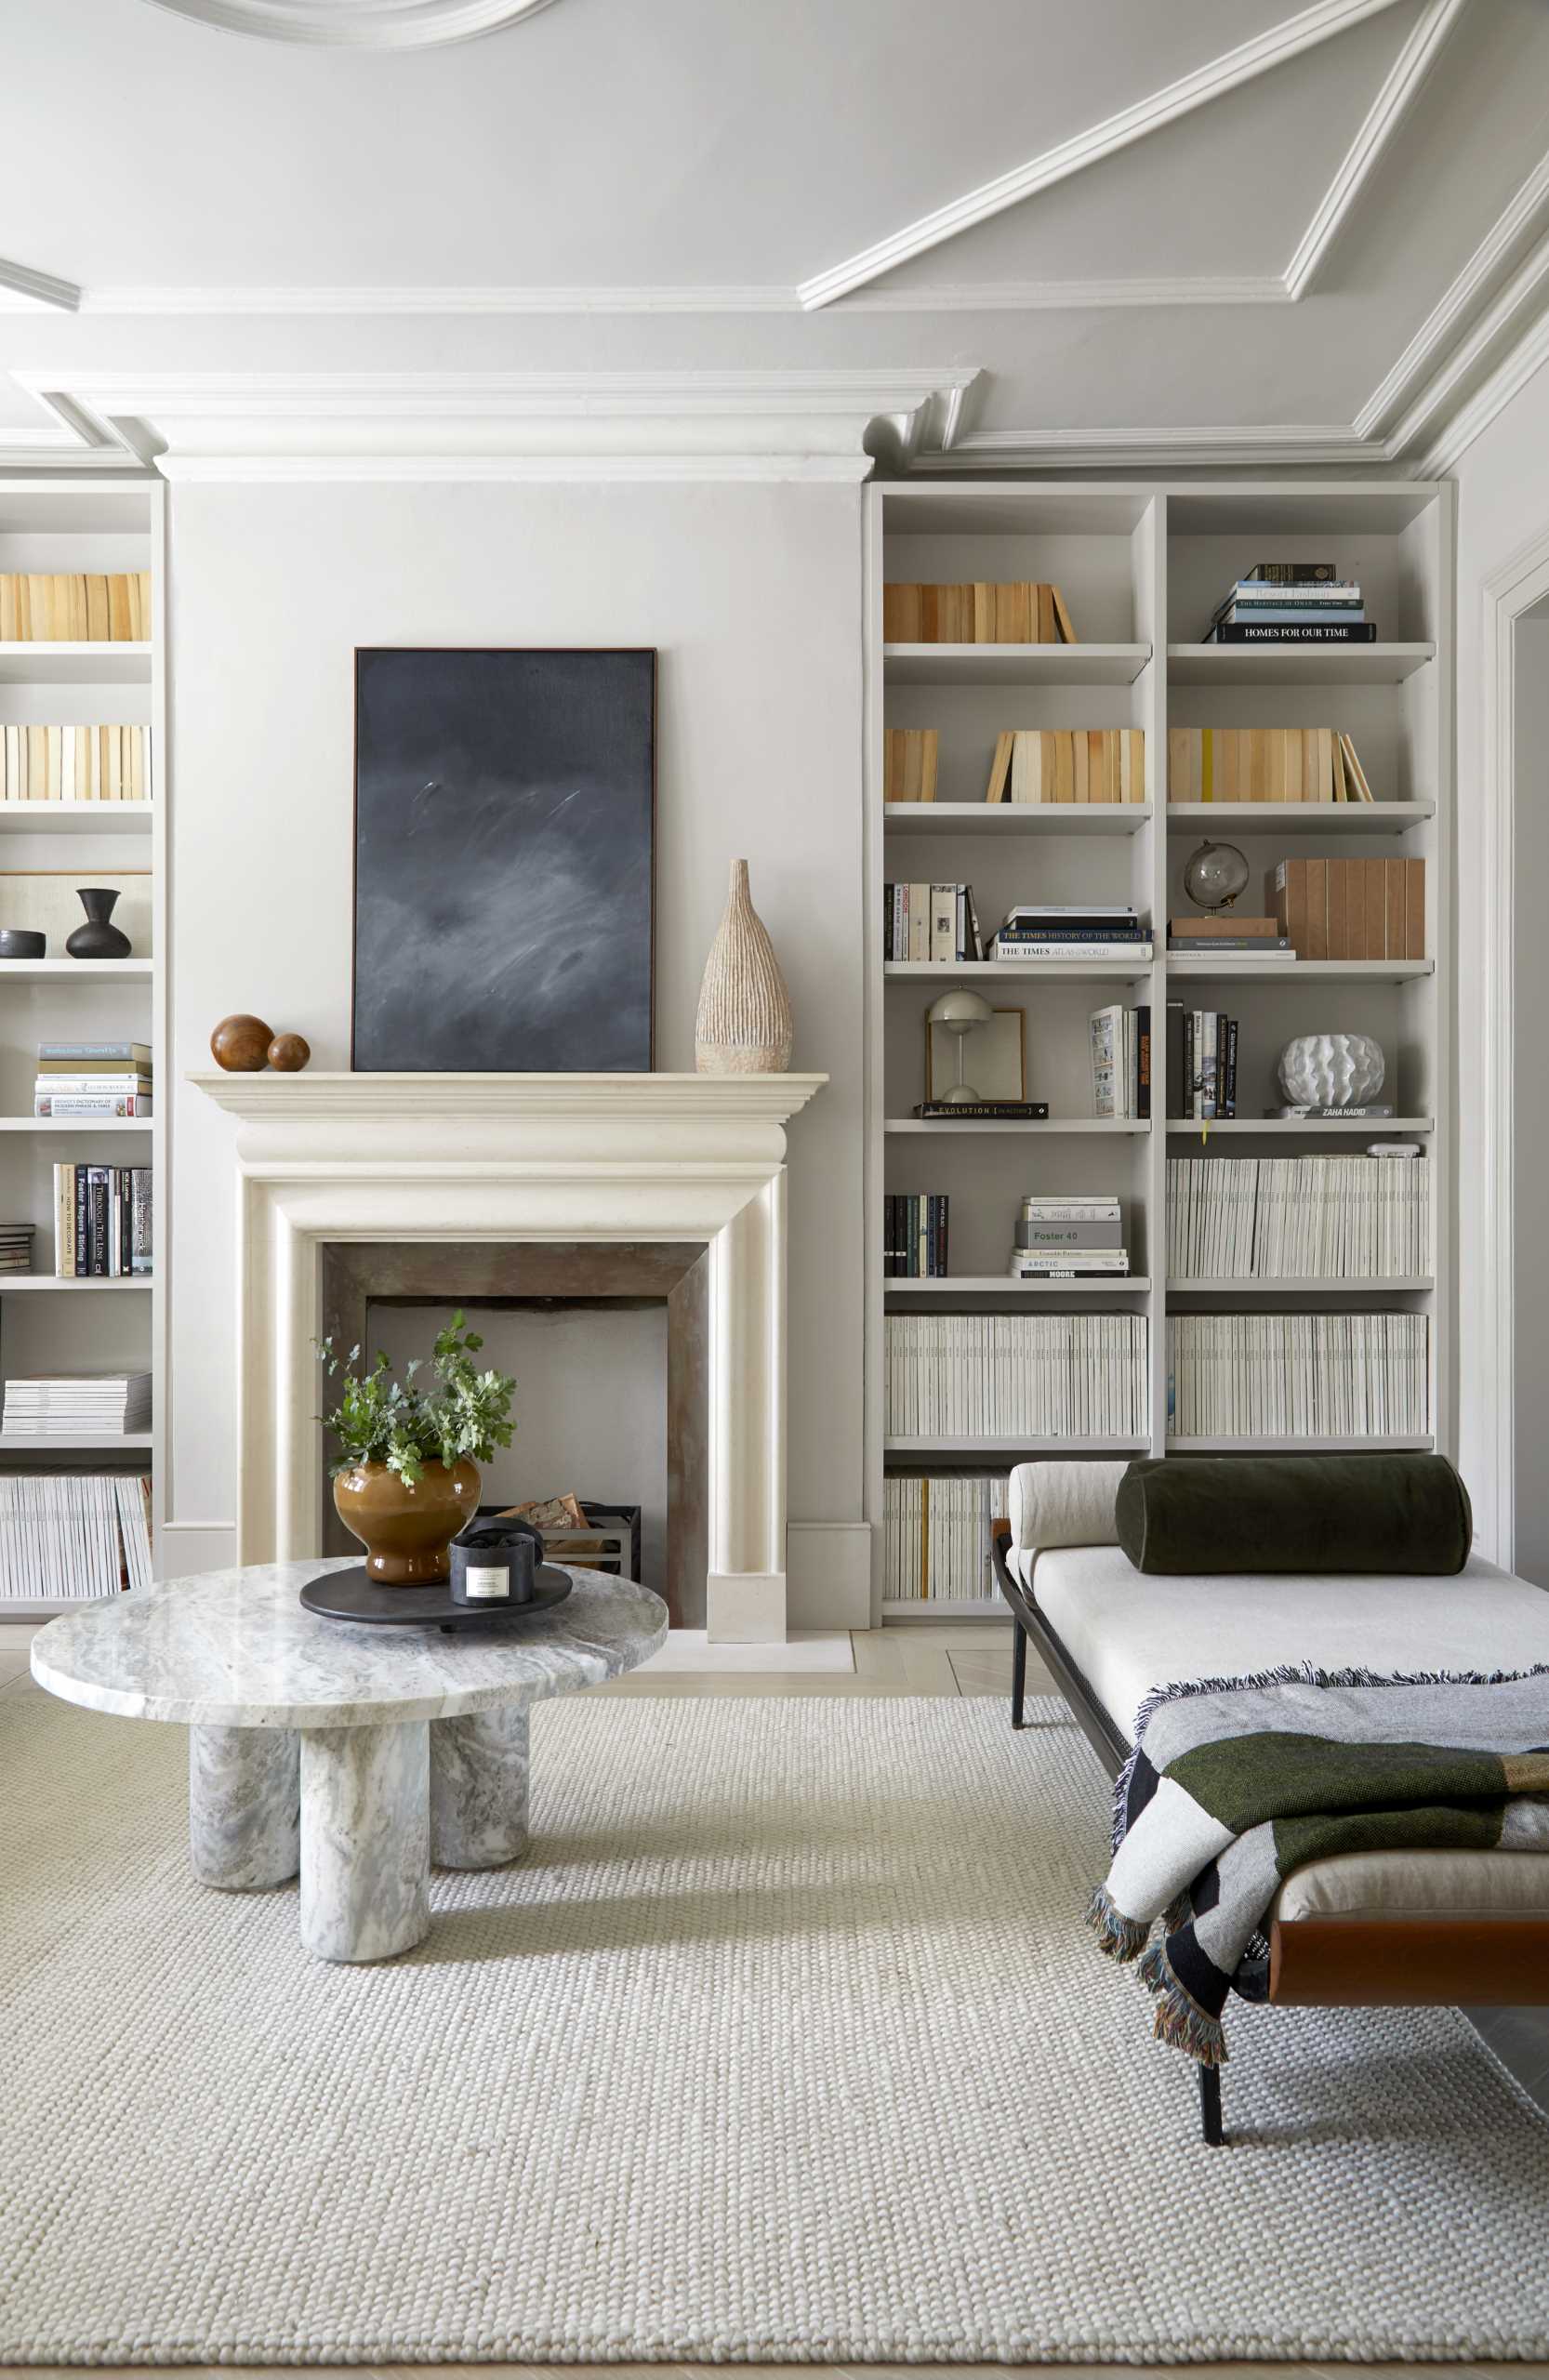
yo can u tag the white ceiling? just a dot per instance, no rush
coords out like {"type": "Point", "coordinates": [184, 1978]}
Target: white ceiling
{"type": "Point", "coordinates": [612, 186]}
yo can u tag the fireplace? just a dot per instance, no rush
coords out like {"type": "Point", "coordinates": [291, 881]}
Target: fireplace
{"type": "Point", "coordinates": [530, 1179]}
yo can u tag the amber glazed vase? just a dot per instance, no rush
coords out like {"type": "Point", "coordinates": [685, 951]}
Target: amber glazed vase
{"type": "Point", "coordinates": [406, 1531]}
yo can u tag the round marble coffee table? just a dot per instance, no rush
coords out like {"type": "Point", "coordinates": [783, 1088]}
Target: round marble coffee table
{"type": "Point", "coordinates": [357, 1756]}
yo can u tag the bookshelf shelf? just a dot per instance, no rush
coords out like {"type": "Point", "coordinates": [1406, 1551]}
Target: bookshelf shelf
{"type": "Point", "coordinates": [1015, 817]}
{"type": "Point", "coordinates": [1278, 818]}
{"type": "Point", "coordinates": [76, 665]}
{"type": "Point", "coordinates": [75, 818]}
{"type": "Point", "coordinates": [1015, 664]}
{"type": "Point", "coordinates": [76, 1124]}
{"type": "Point", "coordinates": [1298, 970]}
{"type": "Point", "coordinates": [1301, 1445]}
{"type": "Point", "coordinates": [1069, 971]}
{"type": "Point", "coordinates": [930, 1128]}
{"type": "Point", "coordinates": [1296, 665]}
{"type": "Point", "coordinates": [11, 1282]}
{"type": "Point", "coordinates": [1141, 565]}
{"type": "Point", "coordinates": [77, 1442]}
{"type": "Point", "coordinates": [74, 970]}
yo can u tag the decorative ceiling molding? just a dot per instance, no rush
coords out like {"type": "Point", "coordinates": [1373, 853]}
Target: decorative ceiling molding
{"type": "Point", "coordinates": [540, 426]}
{"type": "Point", "coordinates": [26, 289]}
{"type": "Point", "coordinates": [1212, 81]}
{"type": "Point", "coordinates": [688, 297]}
{"type": "Point", "coordinates": [1294, 443]}
{"type": "Point", "coordinates": [1397, 93]}
{"type": "Point", "coordinates": [357, 24]}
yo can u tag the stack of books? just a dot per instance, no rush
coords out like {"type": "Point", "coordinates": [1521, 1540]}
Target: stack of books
{"type": "Point", "coordinates": [93, 1079]}
{"type": "Point", "coordinates": [1222, 933]}
{"type": "Point", "coordinates": [1022, 611]}
{"type": "Point", "coordinates": [1035, 764]}
{"type": "Point", "coordinates": [73, 763]}
{"type": "Point", "coordinates": [1078, 930]}
{"type": "Point", "coordinates": [1263, 764]}
{"type": "Point", "coordinates": [1291, 602]}
{"type": "Point", "coordinates": [1121, 1062]}
{"type": "Point", "coordinates": [44, 1405]}
{"type": "Point", "coordinates": [1009, 1375]}
{"type": "Point", "coordinates": [909, 763]}
{"type": "Point", "coordinates": [1201, 1062]}
{"type": "Point", "coordinates": [1350, 908]}
{"type": "Point", "coordinates": [74, 607]}
{"type": "Point", "coordinates": [936, 922]}
{"type": "Point", "coordinates": [68, 1538]}
{"type": "Point", "coordinates": [915, 1228]}
{"type": "Point", "coordinates": [1063, 1237]}
{"type": "Point", "coordinates": [936, 1538]}
{"type": "Point", "coordinates": [1298, 1375]}
{"type": "Point", "coordinates": [16, 1248]}
{"type": "Point", "coordinates": [102, 1216]}
{"type": "Point", "coordinates": [1298, 1218]}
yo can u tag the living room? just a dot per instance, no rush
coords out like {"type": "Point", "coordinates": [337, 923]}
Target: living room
{"type": "Point", "coordinates": [778, 772]}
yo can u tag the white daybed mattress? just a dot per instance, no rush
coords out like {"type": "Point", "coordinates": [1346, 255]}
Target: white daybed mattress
{"type": "Point", "coordinates": [1126, 1633]}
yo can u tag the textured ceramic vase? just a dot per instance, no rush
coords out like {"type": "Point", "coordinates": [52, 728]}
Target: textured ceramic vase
{"type": "Point", "coordinates": [1332, 1070]}
{"type": "Point", "coordinates": [406, 1531]}
{"type": "Point", "coordinates": [97, 938]}
{"type": "Point", "coordinates": [743, 1025]}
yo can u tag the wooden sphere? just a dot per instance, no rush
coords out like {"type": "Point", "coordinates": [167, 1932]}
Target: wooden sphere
{"type": "Point", "coordinates": [289, 1054]}
{"type": "Point", "coordinates": [241, 1044]}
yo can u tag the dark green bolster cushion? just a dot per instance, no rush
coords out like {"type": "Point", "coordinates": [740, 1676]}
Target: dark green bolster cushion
{"type": "Point", "coordinates": [1310, 1512]}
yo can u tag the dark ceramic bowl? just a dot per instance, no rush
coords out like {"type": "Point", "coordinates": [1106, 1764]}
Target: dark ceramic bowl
{"type": "Point", "coordinates": [16, 942]}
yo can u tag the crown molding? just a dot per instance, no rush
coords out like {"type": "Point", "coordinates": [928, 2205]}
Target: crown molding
{"type": "Point", "coordinates": [21, 289]}
{"type": "Point", "coordinates": [375, 298]}
{"type": "Point", "coordinates": [543, 426]}
{"type": "Point", "coordinates": [1128, 449]}
{"type": "Point", "coordinates": [1208, 82]}
{"type": "Point", "coordinates": [1400, 89]}
{"type": "Point", "coordinates": [357, 24]}
{"type": "Point", "coordinates": [1474, 416]}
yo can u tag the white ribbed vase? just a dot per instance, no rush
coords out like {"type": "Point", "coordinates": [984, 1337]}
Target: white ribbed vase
{"type": "Point", "coordinates": [743, 1025]}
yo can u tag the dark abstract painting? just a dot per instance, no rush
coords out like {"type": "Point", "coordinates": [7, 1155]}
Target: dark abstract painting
{"type": "Point", "coordinates": [504, 818]}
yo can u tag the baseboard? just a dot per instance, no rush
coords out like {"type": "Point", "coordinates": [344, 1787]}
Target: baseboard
{"type": "Point", "coordinates": [828, 1574]}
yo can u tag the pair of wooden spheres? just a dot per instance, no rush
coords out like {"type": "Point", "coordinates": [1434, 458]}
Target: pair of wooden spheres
{"type": "Point", "coordinates": [244, 1044]}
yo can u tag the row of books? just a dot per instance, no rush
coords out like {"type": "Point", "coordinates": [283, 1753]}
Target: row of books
{"type": "Point", "coordinates": [936, 1538]}
{"type": "Point", "coordinates": [1201, 1064]}
{"type": "Point", "coordinates": [1072, 930]}
{"type": "Point", "coordinates": [1037, 764]}
{"type": "Point", "coordinates": [909, 758]}
{"type": "Point", "coordinates": [1303, 602]}
{"type": "Point", "coordinates": [74, 764]}
{"type": "Point", "coordinates": [1120, 1039]}
{"type": "Point", "coordinates": [1003, 1375]}
{"type": "Point", "coordinates": [69, 1537]}
{"type": "Point", "coordinates": [74, 607]}
{"type": "Point", "coordinates": [1223, 932]}
{"type": "Point", "coordinates": [930, 921]}
{"type": "Point", "coordinates": [915, 1228]}
{"type": "Point", "coordinates": [1299, 1375]}
{"type": "Point", "coordinates": [1068, 1237]}
{"type": "Point", "coordinates": [1295, 1218]}
{"type": "Point", "coordinates": [1268, 764]}
{"type": "Point", "coordinates": [1021, 611]}
{"type": "Point", "coordinates": [102, 1218]}
{"type": "Point", "coordinates": [93, 1079]}
{"type": "Point", "coordinates": [45, 1404]}
{"type": "Point", "coordinates": [1350, 908]}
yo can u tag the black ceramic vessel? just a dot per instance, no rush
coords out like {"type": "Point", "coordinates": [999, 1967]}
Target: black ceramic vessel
{"type": "Point", "coordinates": [97, 938]}
{"type": "Point", "coordinates": [19, 942]}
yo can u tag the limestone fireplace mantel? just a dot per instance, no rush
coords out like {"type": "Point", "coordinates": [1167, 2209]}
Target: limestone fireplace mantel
{"type": "Point", "coordinates": [325, 1157]}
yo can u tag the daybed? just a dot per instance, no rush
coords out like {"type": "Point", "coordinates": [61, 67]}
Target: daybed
{"type": "Point", "coordinates": [1393, 1929]}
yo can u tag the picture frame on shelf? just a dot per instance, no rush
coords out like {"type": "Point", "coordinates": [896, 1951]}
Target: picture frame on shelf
{"type": "Point", "coordinates": [995, 1056]}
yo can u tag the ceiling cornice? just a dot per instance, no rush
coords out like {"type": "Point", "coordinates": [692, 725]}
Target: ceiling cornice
{"type": "Point", "coordinates": [357, 24]}
{"type": "Point", "coordinates": [1206, 83]}
{"type": "Point", "coordinates": [539, 426]}
{"type": "Point", "coordinates": [19, 282]}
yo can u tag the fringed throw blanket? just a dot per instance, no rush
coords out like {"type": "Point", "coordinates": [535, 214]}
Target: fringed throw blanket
{"type": "Point", "coordinates": [1233, 1783]}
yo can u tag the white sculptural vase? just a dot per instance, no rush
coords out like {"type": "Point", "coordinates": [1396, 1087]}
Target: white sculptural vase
{"type": "Point", "coordinates": [1332, 1070]}
{"type": "Point", "coordinates": [743, 1025]}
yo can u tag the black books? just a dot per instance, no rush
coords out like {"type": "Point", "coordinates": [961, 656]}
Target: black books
{"type": "Point", "coordinates": [102, 1221]}
{"type": "Point", "coordinates": [930, 923]}
{"type": "Point", "coordinates": [1009, 1111]}
{"type": "Point", "coordinates": [914, 1225]}
{"type": "Point", "coordinates": [1293, 632]}
{"type": "Point", "coordinates": [1201, 1064]}
{"type": "Point", "coordinates": [1293, 573]}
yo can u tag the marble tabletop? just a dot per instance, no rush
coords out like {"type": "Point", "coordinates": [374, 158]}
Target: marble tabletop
{"type": "Point", "coordinates": [235, 1648]}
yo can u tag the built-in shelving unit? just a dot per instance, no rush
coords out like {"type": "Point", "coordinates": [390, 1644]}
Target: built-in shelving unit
{"type": "Point", "coordinates": [96, 522]}
{"type": "Point", "coordinates": [1141, 567]}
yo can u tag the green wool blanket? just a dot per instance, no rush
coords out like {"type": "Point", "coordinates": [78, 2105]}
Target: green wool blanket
{"type": "Point", "coordinates": [1235, 1782]}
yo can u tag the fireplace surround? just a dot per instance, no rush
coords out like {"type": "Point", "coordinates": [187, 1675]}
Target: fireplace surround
{"type": "Point", "coordinates": [571, 1160]}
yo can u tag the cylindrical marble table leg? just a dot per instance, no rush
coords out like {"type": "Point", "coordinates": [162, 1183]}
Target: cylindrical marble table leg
{"type": "Point", "coordinates": [242, 1826]}
{"type": "Point", "coordinates": [366, 1840]}
{"type": "Point", "coordinates": [478, 1789]}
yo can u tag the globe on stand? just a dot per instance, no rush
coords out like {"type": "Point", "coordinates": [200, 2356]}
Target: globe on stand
{"type": "Point", "coordinates": [1215, 874]}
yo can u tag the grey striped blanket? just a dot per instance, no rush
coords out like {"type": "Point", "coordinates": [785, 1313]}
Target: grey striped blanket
{"type": "Point", "coordinates": [1235, 1782]}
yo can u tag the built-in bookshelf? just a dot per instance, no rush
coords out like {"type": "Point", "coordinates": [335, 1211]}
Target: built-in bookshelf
{"type": "Point", "coordinates": [1142, 567]}
{"type": "Point", "coordinates": [90, 523]}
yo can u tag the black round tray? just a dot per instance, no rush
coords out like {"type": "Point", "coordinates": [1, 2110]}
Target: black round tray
{"type": "Point", "coordinates": [350, 1594]}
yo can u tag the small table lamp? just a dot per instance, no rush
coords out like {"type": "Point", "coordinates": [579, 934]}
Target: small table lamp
{"type": "Point", "coordinates": [958, 1011]}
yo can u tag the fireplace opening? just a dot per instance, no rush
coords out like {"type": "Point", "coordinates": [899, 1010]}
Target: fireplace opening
{"type": "Point", "coordinates": [606, 1342]}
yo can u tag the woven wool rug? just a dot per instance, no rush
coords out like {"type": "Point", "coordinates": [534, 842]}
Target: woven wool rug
{"type": "Point", "coordinates": [785, 2044]}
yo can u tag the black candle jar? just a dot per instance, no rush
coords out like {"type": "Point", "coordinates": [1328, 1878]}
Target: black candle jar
{"type": "Point", "coordinates": [495, 1562]}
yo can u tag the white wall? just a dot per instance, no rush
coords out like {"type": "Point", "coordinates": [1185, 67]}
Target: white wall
{"type": "Point", "coordinates": [1502, 505]}
{"type": "Point", "coordinates": [753, 596]}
